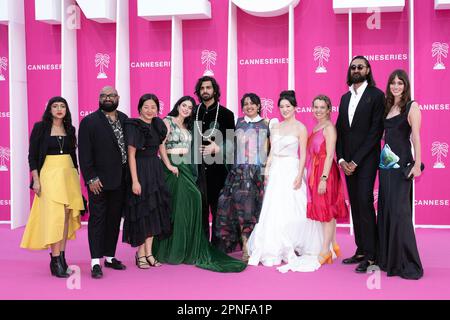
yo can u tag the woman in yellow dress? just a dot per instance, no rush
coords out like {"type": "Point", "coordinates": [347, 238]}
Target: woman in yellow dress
{"type": "Point", "coordinates": [55, 213]}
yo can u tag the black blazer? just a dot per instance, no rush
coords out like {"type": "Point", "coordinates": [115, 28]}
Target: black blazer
{"type": "Point", "coordinates": [37, 150]}
{"type": "Point", "coordinates": [99, 150]}
{"type": "Point", "coordinates": [360, 142]}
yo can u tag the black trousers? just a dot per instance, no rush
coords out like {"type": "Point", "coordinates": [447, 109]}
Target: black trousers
{"type": "Point", "coordinates": [211, 181]}
{"type": "Point", "coordinates": [105, 213]}
{"type": "Point", "coordinates": [360, 190]}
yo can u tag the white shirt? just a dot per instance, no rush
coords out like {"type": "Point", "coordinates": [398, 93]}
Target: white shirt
{"type": "Point", "coordinates": [354, 100]}
{"type": "Point", "coordinates": [255, 119]}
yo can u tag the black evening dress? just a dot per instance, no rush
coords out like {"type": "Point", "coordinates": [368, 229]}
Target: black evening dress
{"type": "Point", "coordinates": [148, 214]}
{"type": "Point", "coordinates": [397, 253]}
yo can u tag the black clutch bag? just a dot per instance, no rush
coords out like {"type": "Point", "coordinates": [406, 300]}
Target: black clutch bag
{"type": "Point", "coordinates": [85, 203]}
{"type": "Point", "coordinates": [407, 170]}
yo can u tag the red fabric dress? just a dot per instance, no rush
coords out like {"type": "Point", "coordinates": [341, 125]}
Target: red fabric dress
{"type": "Point", "coordinates": [323, 207]}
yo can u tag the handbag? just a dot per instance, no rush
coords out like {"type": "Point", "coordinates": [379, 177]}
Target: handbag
{"type": "Point", "coordinates": [406, 170]}
{"type": "Point", "coordinates": [85, 203]}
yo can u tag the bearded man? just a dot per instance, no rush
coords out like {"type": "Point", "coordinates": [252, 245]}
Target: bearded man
{"type": "Point", "coordinates": [359, 130]}
{"type": "Point", "coordinates": [103, 163]}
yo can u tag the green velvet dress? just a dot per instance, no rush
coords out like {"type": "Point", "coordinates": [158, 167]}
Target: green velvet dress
{"type": "Point", "coordinates": [188, 243]}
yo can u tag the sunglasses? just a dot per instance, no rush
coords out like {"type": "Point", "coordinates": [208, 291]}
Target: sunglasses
{"type": "Point", "coordinates": [359, 67]}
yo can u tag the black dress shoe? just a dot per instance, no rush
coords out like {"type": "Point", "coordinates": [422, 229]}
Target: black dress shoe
{"type": "Point", "coordinates": [363, 266]}
{"type": "Point", "coordinates": [353, 259]}
{"type": "Point", "coordinates": [115, 264]}
{"type": "Point", "coordinates": [96, 272]}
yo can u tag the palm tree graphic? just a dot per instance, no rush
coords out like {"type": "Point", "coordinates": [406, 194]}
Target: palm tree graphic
{"type": "Point", "coordinates": [266, 107]}
{"type": "Point", "coordinates": [208, 58]}
{"type": "Point", "coordinates": [439, 149]}
{"type": "Point", "coordinates": [4, 156]}
{"type": "Point", "coordinates": [438, 50]}
{"type": "Point", "coordinates": [102, 60]}
{"type": "Point", "coordinates": [321, 53]}
{"type": "Point", "coordinates": [3, 65]}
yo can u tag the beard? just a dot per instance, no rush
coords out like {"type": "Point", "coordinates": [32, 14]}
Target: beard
{"type": "Point", "coordinates": [358, 78]}
{"type": "Point", "coordinates": [108, 106]}
{"type": "Point", "coordinates": [207, 97]}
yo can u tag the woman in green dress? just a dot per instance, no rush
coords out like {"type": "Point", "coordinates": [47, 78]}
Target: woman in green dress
{"type": "Point", "coordinates": [188, 243]}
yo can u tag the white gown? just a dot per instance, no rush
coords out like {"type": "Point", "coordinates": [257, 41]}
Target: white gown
{"type": "Point", "coordinates": [283, 230]}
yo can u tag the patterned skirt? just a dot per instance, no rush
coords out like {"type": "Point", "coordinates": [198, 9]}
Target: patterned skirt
{"type": "Point", "coordinates": [239, 205]}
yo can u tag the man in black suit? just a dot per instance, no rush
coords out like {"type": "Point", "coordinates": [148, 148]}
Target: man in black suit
{"type": "Point", "coordinates": [359, 130]}
{"type": "Point", "coordinates": [212, 121]}
{"type": "Point", "coordinates": [103, 162]}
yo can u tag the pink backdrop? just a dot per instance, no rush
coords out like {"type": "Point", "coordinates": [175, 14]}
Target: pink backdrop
{"type": "Point", "coordinates": [43, 66]}
{"type": "Point", "coordinates": [149, 59]}
{"type": "Point", "coordinates": [4, 126]}
{"type": "Point", "coordinates": [262, 59]}
{"type": "Point", "coordinates": [433, 95]}
{"type": "Point", "coordinates": [321, 58]}
{"type": "Point", "coordinates": [205, 44]}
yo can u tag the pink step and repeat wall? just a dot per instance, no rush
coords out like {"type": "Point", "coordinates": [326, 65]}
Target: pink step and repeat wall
{"type": "Point", "coordinates": [321, 60]}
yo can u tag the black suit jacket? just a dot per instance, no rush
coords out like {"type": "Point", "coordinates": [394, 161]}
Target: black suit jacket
{"type": "Point", "coordinates": [99, 150]}
{"type": "Point", "coordinates": [38, 147]}
{"type": "Point", "coordinates": [360, 142]}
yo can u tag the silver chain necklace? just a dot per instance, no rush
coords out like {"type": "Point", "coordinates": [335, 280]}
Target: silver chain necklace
{"type": "Point", "coordinates": [61, 145]}
{"type": "Point", "coordinates": [215, 122]}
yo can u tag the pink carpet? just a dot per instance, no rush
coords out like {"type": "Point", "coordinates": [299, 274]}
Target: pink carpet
{"type": "Point", "coordinates": [25, 275]}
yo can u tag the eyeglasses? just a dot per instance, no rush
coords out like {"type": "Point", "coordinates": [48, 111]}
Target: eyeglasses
{"type": "Point", "coordinates": [110, 96]}
{"type": "Point", "coordinates": [359, 67]}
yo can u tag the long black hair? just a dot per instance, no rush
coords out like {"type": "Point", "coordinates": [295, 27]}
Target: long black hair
{"type": "Point", "coordinates": [189, 121]}
{"type": "Point", "coordinates": [47, 117]}
{"type": "Point", "coordinates": [370, 80]}
{"type": "Point", "coordinates": [214, 84]}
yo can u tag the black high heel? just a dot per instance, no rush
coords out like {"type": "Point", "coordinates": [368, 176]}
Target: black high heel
{"type": "Point", "coordinates": [56, 267]}
{"type": "Point", "coordinates": [155, 263]}
{"type": "Point", "coordinates": [141, 264]}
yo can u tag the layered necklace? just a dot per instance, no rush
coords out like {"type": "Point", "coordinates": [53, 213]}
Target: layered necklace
{"type": "Point", "coordinates": [215, 122]}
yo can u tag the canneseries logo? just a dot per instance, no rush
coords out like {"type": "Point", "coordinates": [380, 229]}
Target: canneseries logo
{"type": "Point", "coordinates": [439, 50]}
{"type": "Point", "coordinates": [209, 58]}
{"type": "Point", "coordinates": [4, 157]}
{"type": "Point", "coordinates": [102, 62]}
{"type": "Point", "coordinates": [439, 150]}
{"type": "Point", "coordinates": [3, 65]}
{"type": "Point", "coordinates": [321, 54]}
{"type": "Point", "coordinates": [266, 107]}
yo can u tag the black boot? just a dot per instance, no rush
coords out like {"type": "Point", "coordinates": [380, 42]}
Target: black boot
{"type": "Point", "coordinates": [56, 267]}
{"type": "Point", "coordinates": [64, 263]}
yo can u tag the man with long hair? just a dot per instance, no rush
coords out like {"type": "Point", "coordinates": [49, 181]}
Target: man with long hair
{"type": "Point", "coordinates": [359, 130]}
{"type": "Point", "coordinates": [211, 122]}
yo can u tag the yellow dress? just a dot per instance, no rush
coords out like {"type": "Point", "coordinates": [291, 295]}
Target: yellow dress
{"type": "Point", "coordinates": [60, 187]}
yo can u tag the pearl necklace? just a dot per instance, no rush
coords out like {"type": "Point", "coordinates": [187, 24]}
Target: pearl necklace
{"type": "Point", "coordinates": [215, 123]}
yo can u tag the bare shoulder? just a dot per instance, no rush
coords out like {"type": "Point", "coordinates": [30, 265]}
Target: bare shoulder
{"type": "Point", "coordinates": [329, 128]}
{"type": "Point", "coordinates": [300, 128]}
{"type": "Point", "coordinates": [415, 106]}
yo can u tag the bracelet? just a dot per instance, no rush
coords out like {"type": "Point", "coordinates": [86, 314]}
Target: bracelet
{"type": "Point", "coordinates": [93, 180]}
